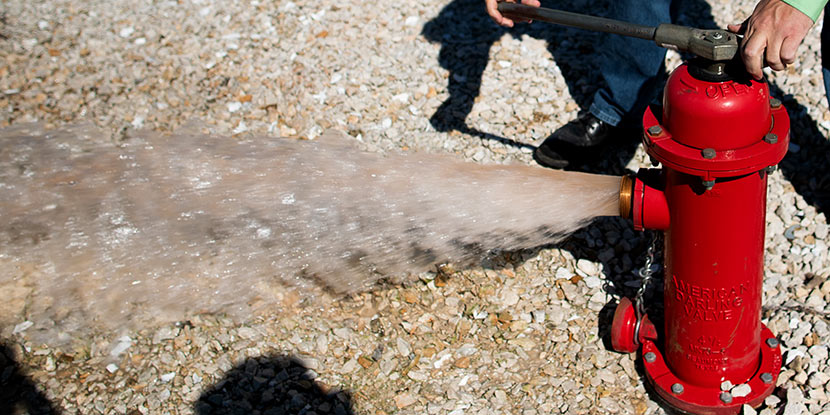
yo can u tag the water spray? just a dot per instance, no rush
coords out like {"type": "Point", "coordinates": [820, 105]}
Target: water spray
{"type": "Point", "coordinates": [718, 137]}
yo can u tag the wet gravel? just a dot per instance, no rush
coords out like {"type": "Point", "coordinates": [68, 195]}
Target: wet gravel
{"type": "Point", "coordinates": [522, 334]}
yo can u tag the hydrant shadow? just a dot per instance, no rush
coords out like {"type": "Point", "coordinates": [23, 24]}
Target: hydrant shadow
{"type": "Point", "coordinates": [18, 393]}
{"type": "Point", "coordinates": [620, 251]}
{"type": "Point", "coordinates": [272, 385]}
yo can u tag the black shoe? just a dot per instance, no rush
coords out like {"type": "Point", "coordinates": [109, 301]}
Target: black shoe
{"type": "Point", "coordinates": [574, 142]}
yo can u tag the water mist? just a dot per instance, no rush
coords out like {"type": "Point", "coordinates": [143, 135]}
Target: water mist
{"type": "Point", "coordinates": [162, 226]}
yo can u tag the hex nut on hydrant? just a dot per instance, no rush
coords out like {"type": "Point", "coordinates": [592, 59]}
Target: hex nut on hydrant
{"type": "Point", "coordinates": [708, 184]}
{"type": "Point", "coordinates": [709, 153]}
{"type": "Point", "coordinates": [655, 130]}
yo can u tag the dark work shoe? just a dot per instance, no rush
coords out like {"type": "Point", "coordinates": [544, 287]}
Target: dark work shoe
{"type": "Point", "coordinates": [574, 142]}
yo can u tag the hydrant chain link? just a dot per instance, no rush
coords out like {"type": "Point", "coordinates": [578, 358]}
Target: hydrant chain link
{"type": "Point", "coordinates": [645, 273]}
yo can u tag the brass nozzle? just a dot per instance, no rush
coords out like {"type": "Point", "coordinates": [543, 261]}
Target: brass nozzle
{"type": "Point", "coordinates": [626, 196]}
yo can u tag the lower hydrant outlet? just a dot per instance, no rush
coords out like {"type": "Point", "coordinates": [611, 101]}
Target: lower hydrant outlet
{"type": "Point", "coordinates": [709, 198]}
{"type": "Point", "coordinates": [627, 331]}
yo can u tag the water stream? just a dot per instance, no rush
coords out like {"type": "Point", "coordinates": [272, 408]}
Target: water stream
{"type": "Point", "coordinates": [162, 226]}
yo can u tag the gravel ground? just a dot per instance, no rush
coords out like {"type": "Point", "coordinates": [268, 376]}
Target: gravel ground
{"type": "Point", "coordinates": [521, 335]}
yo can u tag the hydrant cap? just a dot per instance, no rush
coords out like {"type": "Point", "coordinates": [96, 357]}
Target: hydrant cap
{"type": "Point", "coordinates": [725, 115]}
{"type": "Point", "coordinates": [714, 128]}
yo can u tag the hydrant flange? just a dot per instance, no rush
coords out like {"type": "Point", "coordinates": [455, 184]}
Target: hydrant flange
{"type": "Point", "coordinates": [694, 161]}
{"type": "Point", "coordinates": [706, 400]}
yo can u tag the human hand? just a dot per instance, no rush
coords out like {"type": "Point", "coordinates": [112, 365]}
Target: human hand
{"type": "Point", "coordinates": [772, 33]}
{"type": "Point", "coordinates": [493, 11]}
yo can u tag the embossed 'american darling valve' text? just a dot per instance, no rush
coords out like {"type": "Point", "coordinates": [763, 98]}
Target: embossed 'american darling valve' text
{"type": "Point", "coordinates": [708, 304]}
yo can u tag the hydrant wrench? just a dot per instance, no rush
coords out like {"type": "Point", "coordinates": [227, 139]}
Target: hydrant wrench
{"type": "Point", "coordinates": [715, 45]}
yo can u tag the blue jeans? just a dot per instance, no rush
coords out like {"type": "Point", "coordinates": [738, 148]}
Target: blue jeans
{"type": "Point", "coordinates": [633, 69]}
{"type": "Point", "coordinates": [825, 52]}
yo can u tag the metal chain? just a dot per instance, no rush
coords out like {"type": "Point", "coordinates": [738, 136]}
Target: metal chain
{"type": "Point", "coordinates": [645, 273]}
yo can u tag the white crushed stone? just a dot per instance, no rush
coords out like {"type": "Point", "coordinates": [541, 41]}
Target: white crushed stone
{"type": "Point", "coordinates": [505, 344]}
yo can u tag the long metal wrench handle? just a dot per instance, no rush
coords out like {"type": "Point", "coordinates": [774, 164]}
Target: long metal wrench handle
{"type": "Point", "coordinates": [715, 45]}
{"type": "Point", "coordinates": [580, 21]}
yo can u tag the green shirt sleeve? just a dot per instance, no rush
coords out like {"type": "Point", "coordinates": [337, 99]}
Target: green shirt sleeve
{"type": "Point", "coordinates": [811, 8]}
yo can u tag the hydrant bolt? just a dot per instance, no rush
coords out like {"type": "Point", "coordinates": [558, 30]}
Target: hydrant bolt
{"type": "Point", "coordinates": [708, 184]}
{"type": "Point", "coordinates": [772, 342]}
{"type": "Point", "coordinates": [708, 153]}
{"type": "Point", "coordinates": [655, 130]}
{"type": "Point", "coordinates": [650, 357]}
{"type": "Point", "coordinates": [726, 397]}
{"type": "Point", "coordinates": [766, 377]}
{"type": "Point", "coordinates": [774, 102]}
{"type": "Point", "coordinates": [677, 388]}
{"type": "Point", "coordinates": [770, 138]}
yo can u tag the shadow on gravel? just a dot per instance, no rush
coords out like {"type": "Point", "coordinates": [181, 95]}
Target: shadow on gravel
{"type": "Point", "coordinates": [807, 164]}
{"type": "Point", "coordinates": [18, 394]}
{"type": "Point", "coordinates": [621, 251]}
{"type": "Point", "coordinates": [272, 385]}
{"type": "Point", "coordinates": [466, 33]}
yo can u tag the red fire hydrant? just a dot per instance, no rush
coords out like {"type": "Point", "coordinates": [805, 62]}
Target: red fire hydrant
{"type": "Point", "coordinates": [717, 140]}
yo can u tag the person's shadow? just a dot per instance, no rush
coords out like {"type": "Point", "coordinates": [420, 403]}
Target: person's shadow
{"type": "Point", "coordinates": [466, 34]}
{"type": "Point", "coordinates": [272, 385]}
{"type": "Point", "coordinates": [18, 394]}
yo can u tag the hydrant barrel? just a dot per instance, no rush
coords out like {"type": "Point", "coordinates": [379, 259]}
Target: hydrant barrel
{"type": "Point", "coordinates": [713, 270]}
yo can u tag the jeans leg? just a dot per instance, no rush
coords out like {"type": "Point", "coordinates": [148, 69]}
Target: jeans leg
{"type": "Point", "coordinates": [632, 68]}
{"type": "Point", "coordinates": [825, 52]}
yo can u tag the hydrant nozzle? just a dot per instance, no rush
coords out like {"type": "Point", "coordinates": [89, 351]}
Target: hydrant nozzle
{"type": "Point", "coordinates": [643, 201]}
{"type": "Point", "coordinates": [626, 195]}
